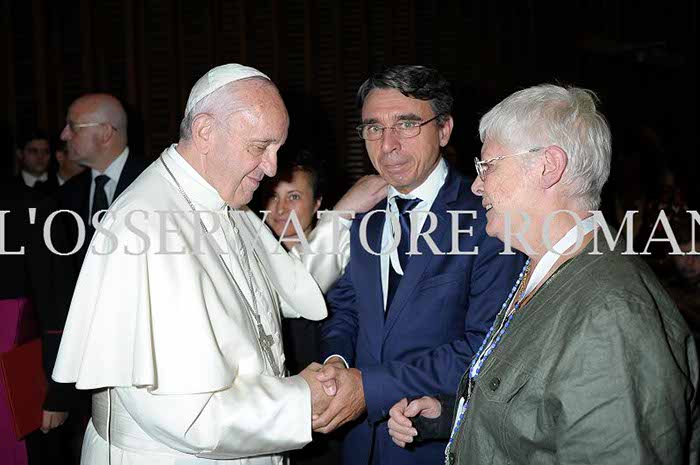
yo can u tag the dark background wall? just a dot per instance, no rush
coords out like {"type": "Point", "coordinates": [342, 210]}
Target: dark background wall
{"type": "Point", "coordinates": [640, 57]}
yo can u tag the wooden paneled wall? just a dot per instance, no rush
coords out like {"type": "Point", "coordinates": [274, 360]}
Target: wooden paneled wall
{"type": "Point", "coordinates": [150, 52]}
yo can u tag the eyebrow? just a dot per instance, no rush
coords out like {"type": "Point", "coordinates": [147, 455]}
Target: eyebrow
{"type": "Point", "coordinates": [408, 117]}
{"type": "Point", "coordinates": [401, 117]}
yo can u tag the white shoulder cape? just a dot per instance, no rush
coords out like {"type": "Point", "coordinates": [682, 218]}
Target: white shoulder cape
{"type": "Point", "coordinates": [169, 322]}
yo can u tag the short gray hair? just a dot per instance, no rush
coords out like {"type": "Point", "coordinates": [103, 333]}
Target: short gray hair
{"type": "Point", "coordinates": [220, 103]}
{"type": "Point", "coordinates": [552, 115]}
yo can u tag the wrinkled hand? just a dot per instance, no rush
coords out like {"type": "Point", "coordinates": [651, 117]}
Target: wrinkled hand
{"type": "Point", "coordinates": [400, 426]}
{"type": "Point", "coordinates": [51, 420]}
{"type": "Point", "coordinates": [365, 194]}
{"type": "Point", "coordinates": [320, 399]}
{"type": "Point", "coordinates": [349, 400]}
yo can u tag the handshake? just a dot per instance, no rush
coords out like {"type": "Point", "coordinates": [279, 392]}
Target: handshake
{"type": "Point", "coordinates": [337, 395]}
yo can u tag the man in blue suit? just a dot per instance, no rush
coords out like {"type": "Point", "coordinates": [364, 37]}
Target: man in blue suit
{"type": "Point", "coordinates": [407, 321]}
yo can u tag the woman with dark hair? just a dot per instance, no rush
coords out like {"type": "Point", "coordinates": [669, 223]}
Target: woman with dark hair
{"type": "Point", "coordinates": [290, 203]}
{"type": "Point", "coordinates": [298, 187]}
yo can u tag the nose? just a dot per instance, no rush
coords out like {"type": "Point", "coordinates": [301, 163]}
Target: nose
{"type": "Point", "coordinates": [390, 141]}
{"type": "Point", "coordinates": [478, 186]}
{"type": "Point", "coordinates": [269, 164]}
{"type": "Point", "coordinates": [65, 133]}
{"type": "Point", "coordinates": [281, 206]}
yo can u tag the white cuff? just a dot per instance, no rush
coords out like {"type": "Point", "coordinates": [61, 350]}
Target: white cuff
{"type": "Point", "coordinates": [345, 362]}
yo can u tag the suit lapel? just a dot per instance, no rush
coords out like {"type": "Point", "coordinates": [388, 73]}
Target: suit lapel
{"type": "Point", "coordinates": [132, 169]}
{"type": "Point", "coordinates": [418, 263]}
{"type": "Point", "coordinates": [370, 277]}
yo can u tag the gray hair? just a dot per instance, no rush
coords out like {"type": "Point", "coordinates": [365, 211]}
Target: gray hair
{"type": "Point", "coordinates": [553, 115]}
{"type": "Point", "coordinates": [419, 82]}
{"type": "Point", "coordinates": [221, 103]}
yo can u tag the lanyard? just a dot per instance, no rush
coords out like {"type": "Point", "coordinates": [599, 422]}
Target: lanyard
{"type": "Point", "coordinates": [573, 236]}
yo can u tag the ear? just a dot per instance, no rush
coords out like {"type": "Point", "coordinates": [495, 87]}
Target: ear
{"type": "Point", "coordinates": [555, 161]}
{"type": "Point", "coordinates": [317, 205]}
{"type": "Point", "coordinates": [19, 154]}
{"type": "Point", "coordinates": [107, 134]}
{"type": "Point", "coordinates": [202, 131]}
{"type": "Point", "coordinates": [445, 131]}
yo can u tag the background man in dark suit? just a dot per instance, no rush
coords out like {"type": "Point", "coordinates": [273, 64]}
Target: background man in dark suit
{"type": "Point", "coordinates": [34, 157]}
{"type": "Point", "coordinates": [407, 324]}
{"type": "Point", "coordinates": [96, 137]}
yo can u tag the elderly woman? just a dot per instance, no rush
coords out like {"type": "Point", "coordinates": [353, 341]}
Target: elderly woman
{"type": "Point", "coordinates": [589, 360]}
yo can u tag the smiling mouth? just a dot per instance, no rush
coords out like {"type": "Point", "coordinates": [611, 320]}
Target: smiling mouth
{"type": "Point", "coordinates": [488, 207]}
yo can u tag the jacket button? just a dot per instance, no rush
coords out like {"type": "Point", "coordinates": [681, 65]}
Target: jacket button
{"type": "Point", "coordinates": [495, 382]}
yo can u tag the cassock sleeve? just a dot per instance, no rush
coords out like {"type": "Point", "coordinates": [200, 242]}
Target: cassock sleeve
{"type": "Point", "coordinates": [330, 251]}
{"type": "Point", "coordinates": [256, 415]}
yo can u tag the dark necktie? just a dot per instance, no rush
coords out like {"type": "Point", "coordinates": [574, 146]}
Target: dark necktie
{"type": "Point", "coordinates": [99, 198]}
{"type": "Point", "coordinates": [404, 206]}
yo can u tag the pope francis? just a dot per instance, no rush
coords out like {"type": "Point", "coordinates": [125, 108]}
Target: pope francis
{"type": "Point", "coordinates": [175, 320]}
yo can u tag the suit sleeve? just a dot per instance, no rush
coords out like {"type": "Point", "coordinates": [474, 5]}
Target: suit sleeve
{"type": "Point", "coordinates": [339, 331]}
{"type": "Point", "coordinates": [257, 415]}
{"type": "Point", "coordinates": [440, 369]}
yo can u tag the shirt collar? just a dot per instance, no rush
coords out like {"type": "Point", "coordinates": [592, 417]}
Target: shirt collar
{"type": "Point", "coordinates": [194, 185]}
{"type": "Point", "coordinates": [114, 170]}
{"type": "Point", "coordinates": [427, 191]}
{"type": "Point", "coordinates": [30, 179]}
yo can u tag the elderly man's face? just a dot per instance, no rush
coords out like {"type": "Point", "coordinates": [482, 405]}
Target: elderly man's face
{"type": "Point", "coordinates": [296, 194]}
{"type": "Point", "coordinates": [403, 163]}
{"type": "Point", "coordinates": [82, 144]}
{"type": "Point", "coordinates": [245, 144]}
{"type": "Point", "coordinates": [36, 156]}
{"type": "Point", "coordinates": [504, 191]}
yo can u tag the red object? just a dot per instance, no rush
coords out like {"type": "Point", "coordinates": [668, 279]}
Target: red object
{"type": "Point", "coordinates": [22, 375]}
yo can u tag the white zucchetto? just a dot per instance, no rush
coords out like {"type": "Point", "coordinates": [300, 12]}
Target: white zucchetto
{"type": "Point", "coordinates": [218, 77]}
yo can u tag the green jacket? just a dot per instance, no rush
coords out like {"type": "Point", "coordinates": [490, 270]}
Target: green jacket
{"type": "Point", "coordinates": [598, 368]}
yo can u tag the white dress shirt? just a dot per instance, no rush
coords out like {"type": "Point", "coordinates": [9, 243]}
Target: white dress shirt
{"type": "Point", "coordinates": [114, 171]}
{"type": "Point", "coordinates": [30, 179]}
{"type": "Point", "coordinates": [427, 192]}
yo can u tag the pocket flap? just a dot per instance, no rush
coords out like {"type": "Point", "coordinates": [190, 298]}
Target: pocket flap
{"type": "Point", "coordinates": [441, 279]}
{"type": "Point", "coordinates": [501, 381]}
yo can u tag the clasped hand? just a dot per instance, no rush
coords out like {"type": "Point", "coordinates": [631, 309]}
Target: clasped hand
{"type": "Point", "coordinates": [337, 394]}
{"type": "Point", "coordinates": [400, 425]}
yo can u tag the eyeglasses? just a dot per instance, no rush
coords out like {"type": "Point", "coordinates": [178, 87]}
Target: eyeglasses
{"type": "Point", "coordinates": [483, 166]}
{"type": "Point", "coordinates": [403, 129]}
{"type": "Point", "coordinates": [73, 126]}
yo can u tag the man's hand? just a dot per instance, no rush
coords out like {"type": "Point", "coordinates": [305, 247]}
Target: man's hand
{"type": "Point", "coordinates": [401, 428]}
{"type": "Point", "coordinates": [365, 194]}
{"type": "Point", "coordinates": [320, 399]}
{"type": "Point", "coordinates": [349, 400]}
{"type": "Point", "coordinates": [51, 420]}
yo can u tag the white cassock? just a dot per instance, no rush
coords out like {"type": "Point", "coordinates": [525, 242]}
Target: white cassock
{"type": "Point", "coordinates": [170, 334]}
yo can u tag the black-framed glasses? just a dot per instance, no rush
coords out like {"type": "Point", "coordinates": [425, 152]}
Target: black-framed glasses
{"type": "Point", "coordinates": [483, 166]}
{"type": "Point", "coordinates": [405, 129]}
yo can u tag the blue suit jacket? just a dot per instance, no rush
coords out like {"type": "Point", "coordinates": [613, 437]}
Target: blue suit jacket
{"type": "Point", "coordinates": [438, 318]}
